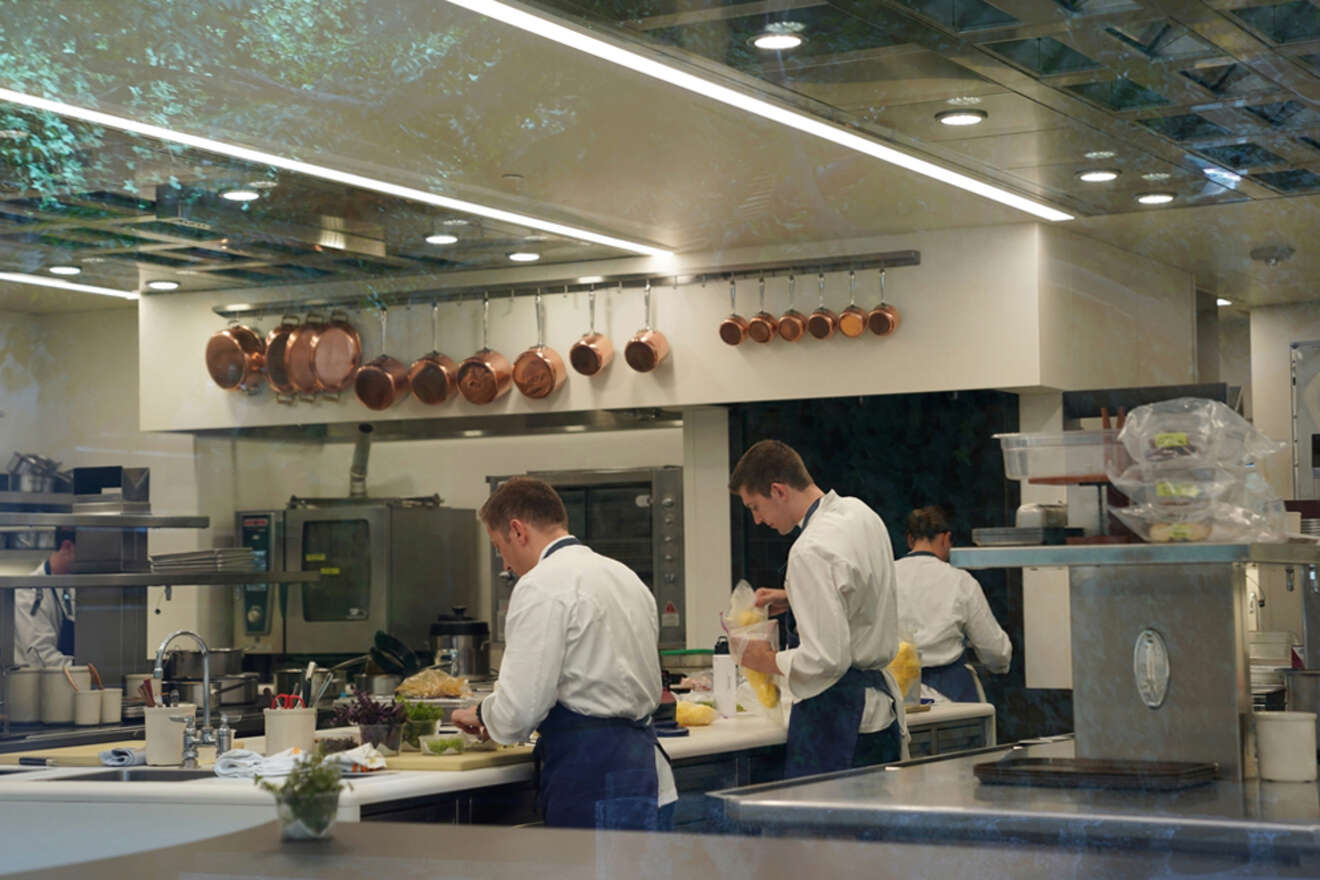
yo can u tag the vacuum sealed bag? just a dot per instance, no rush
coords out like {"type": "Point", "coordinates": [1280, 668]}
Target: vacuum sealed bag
{"type": "Point", "coordinates": [745, 623]}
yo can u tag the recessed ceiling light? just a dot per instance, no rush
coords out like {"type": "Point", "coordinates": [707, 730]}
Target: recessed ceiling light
{"type": "Point", "coordinates": [41, 281]}
{"type": "Point", "coordinates": [65, 270]}
{"type": "Point", "coordinates": [524, 256]}
{"type": "Point", "coordinates": [591, 279]}
{"type": "Point", "coordinates": [1223, 302]}
{"type": "Point", "coordinates": [240, 195]}
{"type": "Point", "coordinates": [962, 117]}
{"type": "Point", "coordinates": [1161, 198]}
{"type": "Point", "coordinates": [1101, 154]}
{"type": "Point", "coordinates": [1219, 175]}
{"type": "Point", "coordinates": [441, 238]}
{"type": "Point", "coordinates": [163, 285]}
{"type": "Point", "coordinates": [1098, 175]}
{"type": "Point", "coordinates": [1156, 176]}
{"type": "Point", "coordinates": [964, 101]}
{"type": "Point", "coordinates": [708, 89]}
{"type": "Point", "coordinates": [780, 36]}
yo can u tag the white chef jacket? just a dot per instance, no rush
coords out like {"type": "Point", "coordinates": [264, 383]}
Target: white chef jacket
{"type": "Point", "coordinates": [943, 609]}
{"type": "Point", "coordinates": [840, 584]}
{"type": "Point", "coordinates": [37, 636]}
{"type": "Point", "coordinates": [582, 630]}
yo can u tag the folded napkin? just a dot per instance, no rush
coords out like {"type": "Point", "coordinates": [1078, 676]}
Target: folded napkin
{"type": "Point", "coordinates": [365, 757]}
{"type": "Point", "coordinates": [244, 762]}
{"type": "Point", "coordinates": [123, 757]}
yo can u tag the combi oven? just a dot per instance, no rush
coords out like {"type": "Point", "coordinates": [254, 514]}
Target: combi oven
{"type": "Point", "coordinates": [634, 516]}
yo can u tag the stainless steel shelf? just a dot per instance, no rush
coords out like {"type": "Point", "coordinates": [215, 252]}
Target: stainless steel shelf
{"type": "Point", "coordinates": [104, 520]}
{"type": "Point", "coordinates": [150, 579]}
{"type": "Point", "coordinates": [1063, 555]}
{"type": "Point", "coordinates": [44, 499]}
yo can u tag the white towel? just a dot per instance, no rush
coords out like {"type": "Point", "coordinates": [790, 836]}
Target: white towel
{"type": "Point", "coordinates": [243, 762]}
{"type": "Point", "coordinates": [364, 757]}
{"type": "Point", "coordinates": [123, 757]}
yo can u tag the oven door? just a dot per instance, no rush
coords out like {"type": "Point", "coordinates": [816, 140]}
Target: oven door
{"type": "Point", "coordinates": [341, 612]}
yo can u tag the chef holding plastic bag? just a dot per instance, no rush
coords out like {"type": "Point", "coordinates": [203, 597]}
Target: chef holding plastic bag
{"type": "Point", "coordinates": [840, 587]}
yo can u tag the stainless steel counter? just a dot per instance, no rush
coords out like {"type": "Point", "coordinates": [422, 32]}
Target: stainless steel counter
{"type": "Point", "coordinates": [943, 801]}
{"type": "Point", "coordinates": [1054, 555]}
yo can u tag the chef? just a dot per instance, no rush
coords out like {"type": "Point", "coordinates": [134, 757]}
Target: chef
{"type": "Point", "coordinates": [44, 616]}
{"type": "Point", "coordinates": [580, 665]}
{"type": "Point", "coordinates": [839, 585]}
{"type": "Point", "coordinates": [943, 610]}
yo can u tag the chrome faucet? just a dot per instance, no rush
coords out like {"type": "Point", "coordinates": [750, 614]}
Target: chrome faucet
{"type": "Point", "coordinates": [158, 673]}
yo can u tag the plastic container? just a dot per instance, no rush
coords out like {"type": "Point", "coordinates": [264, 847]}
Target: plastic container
{"type": "Point", "coordinates": [1065, 458]}
{"type": "Point", "coordinates": [725, 680]}
{"type": "Point", "coordinates": [1285, 742]}
{"type": "Point", "coordinates": [165, 736]}
{"type": "Point", "coordinates": [23, 695]}
{"type": "Point", "coordinates": [87, 708]}
{"type": "Point", "coordinates": [290, 728]}
{"type": "Point", "coordinates": [1270, 648]}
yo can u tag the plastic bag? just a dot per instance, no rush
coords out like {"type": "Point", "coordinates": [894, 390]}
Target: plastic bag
{"type": "Point", "coordinates": [906, 668]}
{"type": "Point", "coordinates": [744, 623]}
{"type": "Point", "coordinates": [694, 714]}
{"type": "Point", "coordinates": [431, 683]}
{"type": "Point", "coordinates": [1193, 429]}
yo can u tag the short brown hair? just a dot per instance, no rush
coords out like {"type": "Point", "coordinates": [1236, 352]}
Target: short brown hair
{"type": "Point", "coordinates": [926, 523]}
{"type": "Point", "coordinates": [526, 498]}
{"type": "Point", "coordinates": [769, 461]}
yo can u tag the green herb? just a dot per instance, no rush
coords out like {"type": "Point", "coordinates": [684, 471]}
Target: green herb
{"type": "Point", "coordinates": [309, 792]}
{"type": "Point", "coordinates": [423, 711]}
{"type": "Point", "coordinates": [443, 744]}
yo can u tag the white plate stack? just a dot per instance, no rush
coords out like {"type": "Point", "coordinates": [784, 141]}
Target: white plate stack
{"type": "Point", "coordinates": [1270, 653]}
{"type": "Point", "coordinates": [228, 559]}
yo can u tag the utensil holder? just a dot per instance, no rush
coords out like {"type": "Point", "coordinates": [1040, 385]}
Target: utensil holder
{"type": "Point", "coordinates": [87, 708]}
{"type": "Point", "coordinates": [165, 737]}
{"type": "Point", "coordinates": [112, 705]}
{"type": "Point", "coordinates": [290, 728]}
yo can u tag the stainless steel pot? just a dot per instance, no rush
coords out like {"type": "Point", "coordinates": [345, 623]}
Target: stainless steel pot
{"type": "Point", "coordinates": [229, 690]}
{"type": "Point", "coordinates": [461, 645]}
{"type": "Point", "coordinates": [377, 685]}
{"type": "Point", "coordinates": [32, 483]}
{"type": "Point", "coordinates": [288, 681]}
{"type": "Point", "coordinates": [188, 664]}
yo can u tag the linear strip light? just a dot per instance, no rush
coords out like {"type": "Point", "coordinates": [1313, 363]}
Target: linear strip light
{"type": "Point", "coordinates": [590, 45]}
{"type": "Point", "coordinates": [322, 172]}
{"type": "Point", "coordinates": [43, 281]}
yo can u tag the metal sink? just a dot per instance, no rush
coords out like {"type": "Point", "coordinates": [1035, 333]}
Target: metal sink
{"type": "Point", "coordinates": [138, 774]}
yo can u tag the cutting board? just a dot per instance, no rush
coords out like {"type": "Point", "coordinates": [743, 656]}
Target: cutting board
{"type": "Point", "coordinates": [465, 761]}
{"type": "Point", "coordinates": [89, 755]}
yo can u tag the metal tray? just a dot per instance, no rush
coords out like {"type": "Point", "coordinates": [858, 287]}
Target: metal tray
{"type": "Point", "coordinates": [1097, 773]}
{"type": "Point", "coordinates": [1015, 537]}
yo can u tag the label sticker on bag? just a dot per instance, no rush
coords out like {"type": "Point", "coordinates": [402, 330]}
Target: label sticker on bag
{"type": "Point", "coordinates": [1168, 489]}
{"type": "Point", "coordinates": [1180, 532]}
{"type": "Point", "coordinates": [1171, 439]}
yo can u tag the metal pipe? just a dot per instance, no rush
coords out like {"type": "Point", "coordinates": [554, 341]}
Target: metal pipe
{"type": "Point", "coordinates": [158, 672]}
{"type": "Point", "coordinates": [357, 471]}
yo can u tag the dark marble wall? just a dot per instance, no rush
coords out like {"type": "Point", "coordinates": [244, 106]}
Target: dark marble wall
{"type": "Point", "coordinates": [897, 452]}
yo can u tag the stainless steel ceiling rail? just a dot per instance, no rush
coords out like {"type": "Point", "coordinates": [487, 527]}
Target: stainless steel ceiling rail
{"type": "Point", "coordinates": [574, 284]}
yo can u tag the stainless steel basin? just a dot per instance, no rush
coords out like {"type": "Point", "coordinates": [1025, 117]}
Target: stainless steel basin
{"type": "Point", "coordinates": [138, 774]}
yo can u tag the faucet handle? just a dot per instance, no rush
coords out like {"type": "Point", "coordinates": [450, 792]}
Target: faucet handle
{"type": "Point", "coordinates": [224, 736]}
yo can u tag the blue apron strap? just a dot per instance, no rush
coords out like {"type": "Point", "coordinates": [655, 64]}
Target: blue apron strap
{"type": "Point", "coordinates": [560, 545]}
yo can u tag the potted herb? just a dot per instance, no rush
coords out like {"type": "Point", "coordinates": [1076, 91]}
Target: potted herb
{"type": "Point", "coordinates": [308, 800]}
{"type": "Point", "coordinates": [421, 721]}
{"type": "Point", "coordinates": [380, 724]}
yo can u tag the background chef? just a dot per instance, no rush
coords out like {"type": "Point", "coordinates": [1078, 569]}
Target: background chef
{"type": "Point", "coordinates": [44, 616]}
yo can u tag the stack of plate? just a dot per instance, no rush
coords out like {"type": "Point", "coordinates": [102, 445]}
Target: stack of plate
{"type": "Point", "coordinates": [1270, 653]}
{"type": "Point", "coordinates": [1311, 527]}
{"type": "Point", "coordinates": [204, 561]}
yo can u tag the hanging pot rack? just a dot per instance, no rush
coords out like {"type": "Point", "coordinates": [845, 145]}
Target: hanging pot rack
{"type": "Point", "coordinates": [639, 280]}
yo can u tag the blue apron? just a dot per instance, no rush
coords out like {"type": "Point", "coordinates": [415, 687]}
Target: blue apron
{"type": "Point", "coordinates": [595, 772]}
{"type": "Point", "coordinates": [823, 730]}
{"type": "Point", "coordinates": [954, 680]}
{"type": "Point", "coordinates": [64, 642]}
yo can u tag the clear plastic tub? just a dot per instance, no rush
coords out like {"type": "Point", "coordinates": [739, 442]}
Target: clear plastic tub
{"type": "Point", "coordinates": [1063, 458]}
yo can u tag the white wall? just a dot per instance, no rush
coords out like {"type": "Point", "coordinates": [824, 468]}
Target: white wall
{"type": "Point", "coordinates": [1235, 354]}
{"type": "Point", "coordinates": [1273, 329]}
{"type": "Point", "coordinates": [974, 290]}
{"type": "Point", "coordinates": [23, 356]}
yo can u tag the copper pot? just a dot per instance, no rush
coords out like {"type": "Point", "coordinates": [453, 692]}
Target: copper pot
{"type": "Point", "coordinates": [822, 322]}
{"type": "Point", "coordinates": [539, 371]}
{"type": "Point", "coordinates": [648, 348]}
{"type": "Point", "coordinates": [434, 376]}
{"type": "Point", "coordinates": [594, 351]}
{"type": "Point", "coordinates": [336, 354]}
{"type": "Point", "coordinates": [792, 323]}
{"type": "Point", "coordinates": [298, 356]}
{"type": "Point", "coordinates": [235, 358]}
{"type": "Point", "coordinates": [485, 376]}
{"type": "Point", "coordinates": [852, 320]}
{"type": "Point", "coordinates": [762, 326]}
{"type": "Point", "coordinates": [383, 382]}
{"type": "Point", "coordinates": [884, 318]}
{"type": "Point", "coordinates": [277, 345]}
{"type": "Point", "coordinates": [733, 329]}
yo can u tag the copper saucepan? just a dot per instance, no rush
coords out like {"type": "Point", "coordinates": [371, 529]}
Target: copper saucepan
{"type": "Point", "coordinates": [762, 326]}
{"type": "Point", "coordinates": [539, 371]}
{"type": "Point", "coordinates": [733, 329]}
{"type": "Point", "coordinates": [792, 323]}
{"type": "Point", "coordinates": [434, 376]}
{"type": "Point", "coordinates": [298, 356]}
{"type": "Point", "coordinates": [485, 376]}
{"type": "Point", "coordinates": [277, 345]}
{"type": "Point", "coordinates": [594, 351]}
{"type": "Point", "coordinates": [852, 320]}
{"type": "Point", "coordinates": [383, 382]}
{"type": "Point", "coordinates": [236, 357]}
{"type": "Point", "coordinates": [822, 322]}
{"type": "Point", "coordinates": [884, 318]}
{"type": "Point", "coordinates": [336, 354]}
{"type": "Point", "coordinates": [648, 348]}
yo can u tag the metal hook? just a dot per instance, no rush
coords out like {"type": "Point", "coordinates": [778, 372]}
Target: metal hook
{"type": "Point", "coordinates": [648, 303]}
{"type": "Point", "coordinates": [540, 326]}
{"type": "Point", "coordinates": [591, 305]}
{"type": "Point", "coordinates": [435, 324]}
{"type": "Point", "coordinates": [852, 287]}
{"type": "Point", "coordinates": [761, 291]}
{"type": "Point", "coordinates": [792, 288]}
{"type": "Point", "coordinates": [485, 321]}
{"type": "Point", "coordinates": [733, 294]}
{"type": "Point", "coordinates": [820, 284]}
{"type": "Point", "coordinates": [882, 285]}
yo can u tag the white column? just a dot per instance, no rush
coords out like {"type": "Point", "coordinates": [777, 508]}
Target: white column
{"type": "Point", "coordinates": [706, 538]}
